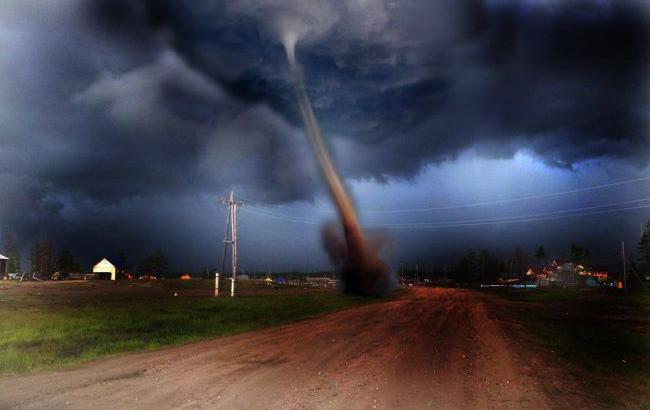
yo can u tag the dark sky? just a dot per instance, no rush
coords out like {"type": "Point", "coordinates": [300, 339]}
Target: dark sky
{"type": "Point", "coordinates": [123, 123]}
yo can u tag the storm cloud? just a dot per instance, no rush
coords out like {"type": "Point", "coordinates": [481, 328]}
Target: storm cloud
{"type": "Point", "coordinates": [110, 108]}
{"type": "Point", "coordinates": [567, 80]}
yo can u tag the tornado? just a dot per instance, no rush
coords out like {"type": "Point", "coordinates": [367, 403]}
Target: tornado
{"type": "Point", "coordinates": [361, 270]}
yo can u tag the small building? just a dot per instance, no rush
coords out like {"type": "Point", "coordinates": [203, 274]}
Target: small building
{"type": "Point", "coordinates": [104, 266]}
{"type": "Point", "coordinates": [3, 266]}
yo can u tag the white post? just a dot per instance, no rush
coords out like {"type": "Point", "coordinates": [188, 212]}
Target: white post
{"type": "Point", "coordinates": [216, 284]}
{"type": "Point", "coordinates": [232, 287]}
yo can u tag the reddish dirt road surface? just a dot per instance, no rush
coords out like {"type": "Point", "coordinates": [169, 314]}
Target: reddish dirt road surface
{"type": "Point", "coordinates": [436, 348]}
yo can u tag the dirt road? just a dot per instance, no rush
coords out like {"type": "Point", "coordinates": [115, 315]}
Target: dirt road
{"type": "Point", "coordinates": [436, 348]}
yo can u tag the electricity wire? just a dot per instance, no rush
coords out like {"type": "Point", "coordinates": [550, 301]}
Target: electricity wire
{"type": "Point", "coordinates": [487, 203]}
{"type": "Point", "coordinates": [473, 222]}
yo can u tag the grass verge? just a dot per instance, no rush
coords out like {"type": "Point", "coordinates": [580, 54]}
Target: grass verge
{"type": "Point", "coordinates": [603, 333]}
{"type": "Point", "coordinates": [47, 330]}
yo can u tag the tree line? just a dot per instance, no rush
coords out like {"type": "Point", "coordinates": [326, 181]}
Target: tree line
{"type": "Point", "coordinates": [486, 266]}
{"type": "Point", "coordinates": [470, 267]}
{"type": "Point", "coordinates": [45, 260]}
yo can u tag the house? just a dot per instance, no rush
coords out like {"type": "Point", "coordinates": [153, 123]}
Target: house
{"type": "Point", "coordinates": [104, 266]}
{"type": "Point", "coordinates": [3, 266]}
{"type": "Point", "coordinates": [569, 274]}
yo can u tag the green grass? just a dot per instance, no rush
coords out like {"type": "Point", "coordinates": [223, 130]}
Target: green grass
{"type": "Point", "coordinates": [617, 353]}
{"type": "Point", "coordinates": [588, 325]}
{"type": "Point", "coordinates": [547, 295]}
{"type": "Point", "coordinates": [594, 346]}
{"type": "Point", "coordinates": [45, 331]}
{"type": "Point", "coordinates": [602, 332]}
{"type": "Point", "coordinates": [608, 296]}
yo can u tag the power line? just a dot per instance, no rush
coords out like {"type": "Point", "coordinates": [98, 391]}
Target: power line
{"type": "Point", "coordinates": [261, 212]}
{"type": "Point", "coordinates": [264, 212]}
{"type": "Point", "coordinates": [487, 203]}
{"type": "Point", "coordinates": [294, 205]}
{"type": "Point", "coordinates": [504, 201]}
{"type": "Point", "coordinates": [522, 220]}
{"type": "Point", "coordinates": [469, 223]}
{"type": "Point", "coordinates": [540, 214]}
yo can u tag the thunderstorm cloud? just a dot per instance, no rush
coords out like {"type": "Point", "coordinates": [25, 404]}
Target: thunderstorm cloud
{"type": "Point", "coordinates": [115, 113]}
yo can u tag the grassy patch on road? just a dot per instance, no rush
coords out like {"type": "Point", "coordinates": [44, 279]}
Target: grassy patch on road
{"type": "Point", "coordinates": [60, 324]}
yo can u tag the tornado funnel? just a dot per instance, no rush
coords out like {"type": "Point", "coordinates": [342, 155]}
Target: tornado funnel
{"type": "Point", "coordinates": [361, 270]}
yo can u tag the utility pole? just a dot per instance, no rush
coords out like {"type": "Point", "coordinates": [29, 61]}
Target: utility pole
{"type": "Point", "coordinates": [229, 238]}
{"type": "Point", "coordinates": [624, 268]}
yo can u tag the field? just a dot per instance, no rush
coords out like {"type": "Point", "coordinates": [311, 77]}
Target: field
{"type": "Point", "coordinates": [50, 324]}
{"type": "Point", "coordinates": [309, 348]}
{"type": "Point", "coordinates": [603, 336]}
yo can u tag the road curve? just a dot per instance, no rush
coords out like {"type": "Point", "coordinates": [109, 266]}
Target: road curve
{"type": "Point", "coordinates": [436, 348]}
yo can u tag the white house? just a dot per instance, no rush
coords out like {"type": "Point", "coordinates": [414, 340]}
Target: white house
{"type": "Point", "coordinates": [104, 266]}
{"type": "Point", "coordinates": [3, 266]}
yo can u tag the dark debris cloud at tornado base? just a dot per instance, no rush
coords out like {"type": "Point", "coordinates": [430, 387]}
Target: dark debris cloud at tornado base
{"type": "Point", "coordinates": [123, 122]}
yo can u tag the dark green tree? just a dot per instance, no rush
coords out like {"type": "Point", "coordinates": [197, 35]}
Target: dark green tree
{"type": "Point", "coordinates": [540, 255]}
{"type": "Point", "coordinates": [483, 261]}
{"type": "Point", "coordinates": [42, 258]}
{"type": "Point", "coordinates": [643, 249]}
{"type": "Point", "coordinates": [467, 268]}
{"type": "Point", "coordinates": [122, 262]}
{"type": "Point", "coordinates": [578, 254]}
{"type": "Point", "coordinates": [520, 262]}
{"type": "Point", "coordinates": [66, 262]}
{"type": "Point", "coordinates": [155, 263]}
{"type": "Point", "coordinates": [11, 251]}
{"type": "Point", "coordinates": [488, 266]}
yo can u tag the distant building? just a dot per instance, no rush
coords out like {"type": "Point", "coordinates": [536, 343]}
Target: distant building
{"type": "Point", "coordinates": [568, 274]}
{"type": "Point", "coordinates": [324, 282]}
{"type": "Point", "coordinates": [600, 272]}
{"type": "Point", "coordinates": [104, 266]}
{"type": "Point", "coordinates": [3, 266]}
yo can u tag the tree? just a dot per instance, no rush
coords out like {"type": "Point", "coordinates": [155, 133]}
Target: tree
{"type": "Point", "coordinates": [122, 263]}
{"type": "Point", "coordinates": [66, 262]}
{"type": "Point", "coordinates": [488, 266]}
{"type": "Point", "coordinates": [540, 255]}
{"type": "Point", "coordinates": [483, 261]}
{"type": "Point", "coordinates": [467, 268]}
{"type": "Point", "coordinates": [155, 263]}
{"type": "Point", "coordinates": [520, 260]}
{"type": "Point", "coordinates": [578, 254]}
{"type": "Point", "coordinates": [42, 258]}
{"type": "Point", "coordinates": [643, 248]}
{"type": "Point", "coordinates": [11, 251]}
